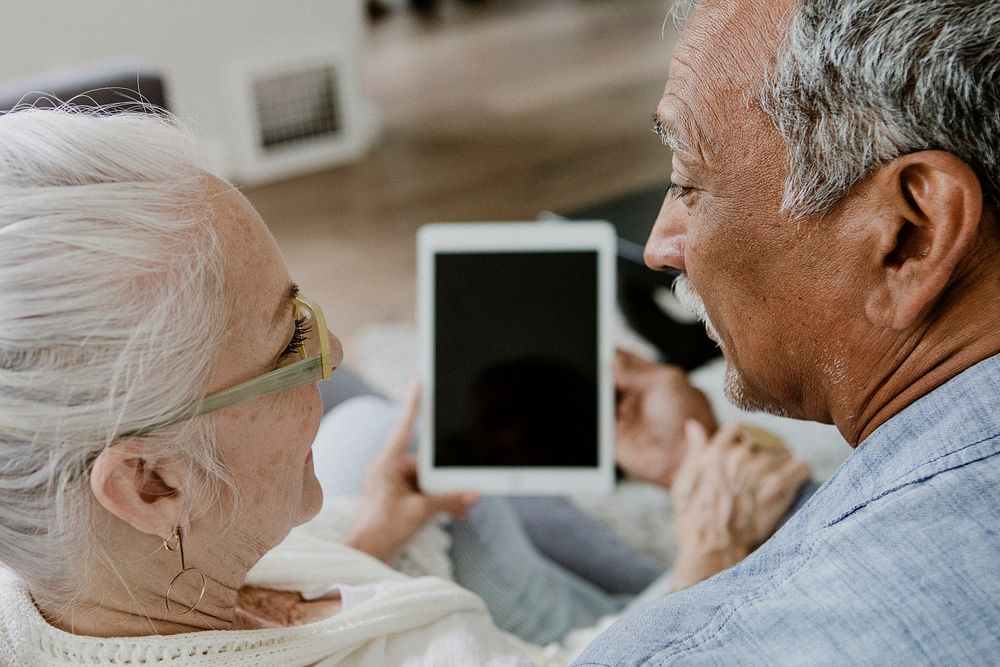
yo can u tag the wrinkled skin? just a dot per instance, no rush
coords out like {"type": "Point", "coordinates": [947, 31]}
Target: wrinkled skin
{"type": "Point", "coordinates": [844, 318]}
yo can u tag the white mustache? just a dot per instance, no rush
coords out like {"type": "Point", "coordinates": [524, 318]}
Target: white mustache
{"type": "Point", "coordinates": [693, 303]}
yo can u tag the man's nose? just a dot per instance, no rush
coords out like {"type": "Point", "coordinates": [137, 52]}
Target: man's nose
{"type": "Point", "coordinates": [665, 247]}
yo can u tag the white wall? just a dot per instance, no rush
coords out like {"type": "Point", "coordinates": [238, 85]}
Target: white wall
{"type": "Point", "coordinates": [201, 47]}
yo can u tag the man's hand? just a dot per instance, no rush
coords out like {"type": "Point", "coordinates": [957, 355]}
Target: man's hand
{"type": "Point", "coordinates": [729, 494]}
{"type": "Point", "coordinates": [654, 402]}
{"type": "Point", "coordinates": [392, 507]}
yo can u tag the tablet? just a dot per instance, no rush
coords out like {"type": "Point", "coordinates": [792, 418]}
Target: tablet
{"type": "Point", "coordinates": [514, 321]}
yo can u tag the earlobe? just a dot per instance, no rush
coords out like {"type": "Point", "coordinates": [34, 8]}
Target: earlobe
{"type": "Point", "coordinates": [128, 487]}
{"type": "Point", "coordinates": [879, 308]}
{"type": "Point", "coordinates": [935, 206]}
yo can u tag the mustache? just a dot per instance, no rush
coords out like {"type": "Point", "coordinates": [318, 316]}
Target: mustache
{"type": "Point", "coordinates": [691, 302]}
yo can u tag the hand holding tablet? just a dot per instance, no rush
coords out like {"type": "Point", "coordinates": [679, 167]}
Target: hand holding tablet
{"type": "Point", "coordinates": [515, 357]}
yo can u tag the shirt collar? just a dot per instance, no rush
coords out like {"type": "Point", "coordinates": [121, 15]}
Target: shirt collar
{"type": "Point", "coordinates": [955, 424]}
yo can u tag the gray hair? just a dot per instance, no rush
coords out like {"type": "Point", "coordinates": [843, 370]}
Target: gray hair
{"type": "Point", "coordinates": [680, 10]}
{"type": "Point", "coordinates": [857, 83]}
{"type": "Point", "coordinates": [861, 82]}
{"type": "Point", "coordinates": [111, 300]}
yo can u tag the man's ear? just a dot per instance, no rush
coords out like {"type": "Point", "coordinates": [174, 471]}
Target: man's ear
{"type": "Point", "coordinates": [141, 493]}
{"type": "Point", "coordinates": [931, 209]}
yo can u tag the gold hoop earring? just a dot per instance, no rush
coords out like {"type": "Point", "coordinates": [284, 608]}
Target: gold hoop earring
{"type": "Point", "coordinates": [176, 543]}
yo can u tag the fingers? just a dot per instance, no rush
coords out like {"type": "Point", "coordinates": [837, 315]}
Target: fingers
{"type": "Point", "coordinates": [399, 441]}
{"type": "Point", "coordinates": [700, 408]}
{"type": "Point", "coordinates": [456, 504]}
{"type": "Point", "coordinates": [630, 371]}
{"type": "Point", "coordinates": [626, 368]}
{"type": "Point", "coordinates": [695, 433]}
{"type": "Point", "coordinates": [408, 469]}
{"type": "Point", "coordinates": [764, 440]}
{"type": "Point", "coordinates": [781, 485]}
{"type": "Point", "coordinates": [795, 472]}
{"type": "Point", "coordinates": [626, 360]}
{"type": "Point", "coordinates": [729, 435]}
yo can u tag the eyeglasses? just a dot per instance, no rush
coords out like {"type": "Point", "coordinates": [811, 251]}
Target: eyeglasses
{"type": "Point", "coordinates": [316, 364]}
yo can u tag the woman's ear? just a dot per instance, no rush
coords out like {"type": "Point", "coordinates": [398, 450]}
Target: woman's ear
{"type": "Point", "coordinates": [931, 209]}
{"type": "Point", "coordinates": [141, 491]}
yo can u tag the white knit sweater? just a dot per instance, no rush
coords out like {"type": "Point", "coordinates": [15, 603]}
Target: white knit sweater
{"type": "Point", "coordinates": [388, 619]}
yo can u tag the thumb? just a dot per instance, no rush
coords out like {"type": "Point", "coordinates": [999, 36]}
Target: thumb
{"type": "Point", "coordinates": [456, 504]}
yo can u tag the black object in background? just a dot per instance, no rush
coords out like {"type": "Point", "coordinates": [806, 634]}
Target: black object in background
{"type": "Point", "coordinates": [516, 359]}
{"type": "Point", "coordinates": [110, 89]}
{"type": "Point", "coordinates": [633, 215]}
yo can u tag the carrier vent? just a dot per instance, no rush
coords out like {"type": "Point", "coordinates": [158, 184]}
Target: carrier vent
{"type": "Point", "coordinates": [297, 106]}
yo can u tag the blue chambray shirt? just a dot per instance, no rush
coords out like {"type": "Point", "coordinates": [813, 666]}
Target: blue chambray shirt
{"type": "Point", "coordinates": [894, 561]}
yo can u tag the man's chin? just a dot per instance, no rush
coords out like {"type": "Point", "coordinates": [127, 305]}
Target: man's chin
{"type": "Point", "coordinates": [740, 393]}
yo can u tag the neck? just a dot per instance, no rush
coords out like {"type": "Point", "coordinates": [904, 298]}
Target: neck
{"type": "Point", "coordinates": [110, 607]}
{"type": "Point", "coordinates": [951, 340]}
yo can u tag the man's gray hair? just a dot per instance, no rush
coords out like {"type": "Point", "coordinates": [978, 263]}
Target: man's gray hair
{"type": "Point", "coordinates": [861, 82]}
{"type": "Point", "coordinates": [858, 83]}
{"type": "Point", "coordinates": [111, 304]}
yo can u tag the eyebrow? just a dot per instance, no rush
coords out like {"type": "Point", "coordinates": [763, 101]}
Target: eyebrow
{"type": "Point", "coordinates": [290, 295]}
{"type": "Point", "coordinates": [672, 138]}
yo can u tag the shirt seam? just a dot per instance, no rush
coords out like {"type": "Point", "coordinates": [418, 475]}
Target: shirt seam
{"type": "Point", "coordinates": [923, 478]}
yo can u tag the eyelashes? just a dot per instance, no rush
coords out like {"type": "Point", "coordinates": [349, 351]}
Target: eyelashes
{"type": "Point", "coordinates": [302, 328]}
{"type": "Point", "coordinates": [678, 191]}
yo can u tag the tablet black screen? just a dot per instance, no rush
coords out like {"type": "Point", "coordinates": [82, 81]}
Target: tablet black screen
{"type": "Point", "coordinates": [516, 359]}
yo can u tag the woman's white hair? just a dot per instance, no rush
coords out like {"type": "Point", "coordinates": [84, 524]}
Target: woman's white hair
{"type": "Point", "coordinates": [111, 302]}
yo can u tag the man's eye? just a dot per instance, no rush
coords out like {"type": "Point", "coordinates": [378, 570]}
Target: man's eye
{"type": "Point", "coordinates": [678, 191]}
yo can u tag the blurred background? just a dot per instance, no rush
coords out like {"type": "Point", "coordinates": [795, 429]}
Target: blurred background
{"type": "Point", "coordinates": [350, 123]}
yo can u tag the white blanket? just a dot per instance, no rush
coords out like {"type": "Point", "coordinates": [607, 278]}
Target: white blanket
{"type": "Point", "coordinates": [396, 620]}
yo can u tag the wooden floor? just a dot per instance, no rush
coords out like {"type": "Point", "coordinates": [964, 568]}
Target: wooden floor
{"type": "Point", "coordinates": [495, 112]}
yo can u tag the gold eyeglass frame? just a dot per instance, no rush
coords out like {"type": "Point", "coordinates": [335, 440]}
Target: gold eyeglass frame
{"type": "Point", "coordinates": [302, 372]}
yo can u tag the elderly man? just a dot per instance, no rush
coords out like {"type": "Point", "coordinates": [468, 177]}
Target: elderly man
{"type": "Point", "coordinates": [834, 209]}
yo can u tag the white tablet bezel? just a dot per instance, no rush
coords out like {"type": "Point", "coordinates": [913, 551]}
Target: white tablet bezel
{"type": "Point", "coordinates": [511, 237]}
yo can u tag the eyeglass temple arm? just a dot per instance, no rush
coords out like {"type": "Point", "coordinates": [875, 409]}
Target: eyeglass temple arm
{"type": "Point", "coordinates": [293, 375]}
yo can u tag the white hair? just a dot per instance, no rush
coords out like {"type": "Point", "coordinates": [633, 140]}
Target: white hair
{"type": "Point", "coordinates": [111, 302]}
{"type": "Point", "coordinates": [857, 83]}
{"type": "Point", "coordinates": [680, 10]}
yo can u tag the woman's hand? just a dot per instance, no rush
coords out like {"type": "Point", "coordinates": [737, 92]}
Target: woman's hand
{"type": "Point", "coordinates": [729, 494]}
{"type": "Point", "coordinates": [392, 507]}
{"type": "Point", "coordinates": [654, 403]}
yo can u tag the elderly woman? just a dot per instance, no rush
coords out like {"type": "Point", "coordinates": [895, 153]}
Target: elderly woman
{"type": "Point", "coordinates": [158, 405]}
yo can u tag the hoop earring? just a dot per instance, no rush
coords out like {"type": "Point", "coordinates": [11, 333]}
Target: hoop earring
{"type": "Point", "coordinates": [176, 543]}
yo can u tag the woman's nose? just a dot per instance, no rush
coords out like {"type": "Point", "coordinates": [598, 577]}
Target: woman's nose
{"type": "Point", "coordinates": [336, 350]}
{"type": "Point", "coordinates": [665, 247]}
